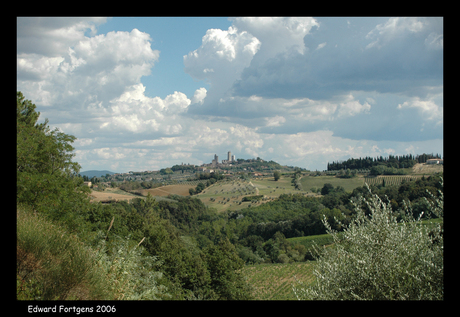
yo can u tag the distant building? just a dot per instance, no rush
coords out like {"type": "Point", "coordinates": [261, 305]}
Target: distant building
{"type": "Point", "coordinates": [435, 161]}
{"type": "Point", "coordinates": [229, 157]}
{"type": "Point", "coordinates": [233, 158]}
{"type": "Point", "coordinates": [215, 161]}
{"type": "Point", "coordinates": [87, 184]}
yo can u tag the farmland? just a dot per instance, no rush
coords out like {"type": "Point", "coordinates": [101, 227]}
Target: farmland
{"type": "Point", "coordinates": [111, 194]}
{"type": "Point", "coordinates": [182, 190]}
{"type": "Point", "coordinates": [274, 281]}
{"type": "Point", "coordinates": [390, 180]}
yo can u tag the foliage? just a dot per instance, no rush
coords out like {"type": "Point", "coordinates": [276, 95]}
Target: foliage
{"type": "Point", "coordinates": [45, 172]}
{"type": "Point", "coordinates": [276, 175]}
{"type": "Point", "coordinates": [377, 257]}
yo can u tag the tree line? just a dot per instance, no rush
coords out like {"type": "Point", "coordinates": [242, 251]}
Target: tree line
{"type": "Point", "coordinates": [391, 161]}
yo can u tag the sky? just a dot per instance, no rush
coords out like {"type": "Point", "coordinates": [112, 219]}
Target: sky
{"type": "Point", "coordinates": [145, 93]}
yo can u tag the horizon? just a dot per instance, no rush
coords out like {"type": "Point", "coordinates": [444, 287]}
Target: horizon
{"type": "Point", "coordinates": [146, 93]}
{"type": "Point", "coordinates": [185, 164]}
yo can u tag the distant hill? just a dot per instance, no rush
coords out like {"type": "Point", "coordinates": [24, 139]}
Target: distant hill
{"type": "Point", "coordinates": [94, 173]}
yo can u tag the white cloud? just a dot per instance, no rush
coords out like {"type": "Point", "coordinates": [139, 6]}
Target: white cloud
{"type": "Point", "coordinates": [320, 46]}
{"type": "Point", "coordinates": [275, 121]}
{"type": "Point", "coordinates": [96, 68]}
{"type": "Point", "coordinates": [135, 112]}
{"type": "Point", "coordinates": [394, 27]}
{"type": "Point", "coordinates": [427, 108]}
{"type": "Point", "coordinates": [220, 51]}
{"type": "Point", "coordinates": [199, 95]}
{"type": "Point", "coordinates": [352, 107]}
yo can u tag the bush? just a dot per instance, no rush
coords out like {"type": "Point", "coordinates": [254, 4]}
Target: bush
{"type": "Point", "coordinates": [283, 258]}
{"type": "Point", "coordinates": [377, 258]}
{"type": "Point", "coordinates": [130, 276]}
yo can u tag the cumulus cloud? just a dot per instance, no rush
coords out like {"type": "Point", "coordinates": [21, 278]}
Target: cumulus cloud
{"type": "Point", "coordinates": [224, 54]}
{"type": "Point", "coordinates": [221, 51]}
{"type": "Point", "coordinates": [135, 112]}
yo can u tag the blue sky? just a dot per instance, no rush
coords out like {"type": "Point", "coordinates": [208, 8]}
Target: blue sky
{"type": "Point", "coordinates": [147, 93]}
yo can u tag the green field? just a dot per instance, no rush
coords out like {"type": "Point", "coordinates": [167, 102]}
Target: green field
{"type": "Point", "coordinates": [309, 241]}
{"type": "Point", "coordinates": [348, 184]}
{"type": "Point", "coordinates": [274, 281]}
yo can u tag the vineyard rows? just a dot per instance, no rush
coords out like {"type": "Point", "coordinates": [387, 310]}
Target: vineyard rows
{"type": "Point", "coordinates": [389, 180]}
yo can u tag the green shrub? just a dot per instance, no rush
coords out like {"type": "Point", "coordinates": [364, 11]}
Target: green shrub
{"type": "Point", "coordinates": [129, 275]}
{"type": "Point", "coordinates": [377, 258]}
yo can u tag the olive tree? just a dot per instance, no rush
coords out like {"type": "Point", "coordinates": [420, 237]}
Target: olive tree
{"type": "Point", "coordinates": [378, 257]}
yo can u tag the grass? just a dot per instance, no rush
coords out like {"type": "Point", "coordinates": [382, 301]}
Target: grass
{"type": "Point", "coordinates": [309, 182]}
{"type": "Point", "coordinates": [274, 281]}
{"type": "Point", "coordinates": [53, 264]}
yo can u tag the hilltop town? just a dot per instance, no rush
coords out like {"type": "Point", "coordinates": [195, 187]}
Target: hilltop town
{"type": "Point", "coordinates": [186, 172]}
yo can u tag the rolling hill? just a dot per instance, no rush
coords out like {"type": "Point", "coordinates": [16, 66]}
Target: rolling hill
{"type": "Point", "coordinates": [95, 173]}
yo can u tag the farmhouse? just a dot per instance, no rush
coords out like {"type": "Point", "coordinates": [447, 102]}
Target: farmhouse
{"type": "Point", "coordinates": [87, 184]}
{"type": "Point", "coordinates": [435, 161]}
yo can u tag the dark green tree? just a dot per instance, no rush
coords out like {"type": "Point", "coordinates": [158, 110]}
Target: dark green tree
{"type": "Point", "coordinates": [225, 266]}
{"type": "Point", "coordinates": [276, 175]}
{"type": "Point", "coordinates": [327, 188]}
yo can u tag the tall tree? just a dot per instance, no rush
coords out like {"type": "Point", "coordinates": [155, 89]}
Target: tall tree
{"type": "Point", "coordinates": [46, 174]}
